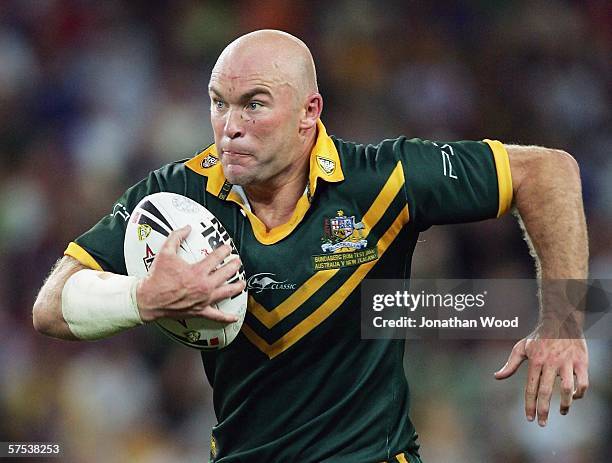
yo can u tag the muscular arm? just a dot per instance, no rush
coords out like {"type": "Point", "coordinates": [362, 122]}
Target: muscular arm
{"type": "Point", "coordinates": [548, 198]}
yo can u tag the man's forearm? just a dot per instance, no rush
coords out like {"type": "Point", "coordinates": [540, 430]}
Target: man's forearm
{"type": "Point", "coordinates": [79, 303]}
{"type": "Point", "coordinates": [549, 203]}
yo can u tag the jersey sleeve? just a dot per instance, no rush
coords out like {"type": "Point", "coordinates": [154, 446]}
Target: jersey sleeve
{"type": "Point", "coordinates": [454, 182]}
{"type": "Point", "coordinates": [101, 247]}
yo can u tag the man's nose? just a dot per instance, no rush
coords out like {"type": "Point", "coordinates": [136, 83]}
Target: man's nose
{"type": "Point", "coordinates": [234, 124]}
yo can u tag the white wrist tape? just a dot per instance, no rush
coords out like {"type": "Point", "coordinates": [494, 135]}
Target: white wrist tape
{"type": "Point", "coordinates": [99, 304]}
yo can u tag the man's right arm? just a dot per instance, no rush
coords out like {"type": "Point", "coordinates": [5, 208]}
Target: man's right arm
{"type": "Point", "coordinates": [79, 303]}
{"type": "Point", "coordinates": [47, 313]}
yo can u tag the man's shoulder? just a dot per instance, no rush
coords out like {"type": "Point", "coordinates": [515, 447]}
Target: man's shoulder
{"type": "Point", "coordinates": [375, 157]}
{"type": "Point", "coordinates": [195, 165]}
{"type": "Point", "coordinates": [386, 147]}
{"type": "Point", "coordinates": [183, 176]}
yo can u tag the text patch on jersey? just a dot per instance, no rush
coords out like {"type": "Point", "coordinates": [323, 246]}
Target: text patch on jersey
{"type": "Point", "coordinates": [344, 243]}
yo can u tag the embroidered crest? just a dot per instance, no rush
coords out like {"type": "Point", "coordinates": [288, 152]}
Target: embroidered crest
{"type": "Point", "coordinates": [327, 165]}
{"type": "Point", "coordinates": [342, 234]}
{"type": "Point", "coordinates": [344, 243]}
{"type": "Point", "coordinates": [209, 161]}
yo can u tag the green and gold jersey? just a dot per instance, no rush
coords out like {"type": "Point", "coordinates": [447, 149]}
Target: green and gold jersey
{"type": "Point", "coordinates": [299, 384]}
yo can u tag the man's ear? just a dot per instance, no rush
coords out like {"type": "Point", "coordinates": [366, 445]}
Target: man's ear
{"type": "Point", "coordinates": [313, 106]}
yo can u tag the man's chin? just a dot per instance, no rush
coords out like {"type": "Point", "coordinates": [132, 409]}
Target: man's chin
{"type": "Point", "coordinates": [236, 177]}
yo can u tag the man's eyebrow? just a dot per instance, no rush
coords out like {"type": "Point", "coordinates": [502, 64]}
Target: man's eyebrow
{"type": "Point", "coordinates": [245, 96]}
{"type": "Point", "coordinates": [256, 91]}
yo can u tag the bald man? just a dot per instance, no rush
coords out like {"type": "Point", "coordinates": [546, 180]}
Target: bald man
{"type": "Point", "coordinates": [319, 214]}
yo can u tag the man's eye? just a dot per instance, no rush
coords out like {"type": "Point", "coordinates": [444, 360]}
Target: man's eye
{"type": "Point", "coordinates": [254, 105]}
{"type": "Point", "coordinates": [219, 104]}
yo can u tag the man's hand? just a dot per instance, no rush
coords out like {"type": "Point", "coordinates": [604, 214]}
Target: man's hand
{"type": "Point", "coordinates": [549, 358]}
{"type": "Point", "coordinates": [176, 289]}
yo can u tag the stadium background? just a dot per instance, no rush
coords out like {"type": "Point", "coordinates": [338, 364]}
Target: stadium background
{"type": "Point", "coordinates": [95, 94]}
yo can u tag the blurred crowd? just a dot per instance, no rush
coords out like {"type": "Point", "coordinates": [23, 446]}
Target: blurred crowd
{"type": "Point", "coordinates": [94, 94]}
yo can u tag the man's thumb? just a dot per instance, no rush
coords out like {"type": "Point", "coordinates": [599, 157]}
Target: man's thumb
{"type": "Point", "coordinates": [514, 361]}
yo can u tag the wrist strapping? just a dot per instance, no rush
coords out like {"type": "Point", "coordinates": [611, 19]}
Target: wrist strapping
{"type": "Point", "coordinates": [99, 304]}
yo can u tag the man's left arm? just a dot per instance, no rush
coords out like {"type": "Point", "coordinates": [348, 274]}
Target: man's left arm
{"type": "Point", "coordinates": [548, 197]}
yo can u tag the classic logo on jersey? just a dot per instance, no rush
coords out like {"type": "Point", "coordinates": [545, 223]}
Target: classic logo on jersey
{"type": "Point", "coordinates": [327, 165]}
{"type": "Point", "coordinates": [209, 161]}
{"type": "Point", "coordinates": [143, 230]}
{"type": "Point", "coordinates": [343, 243]}
{"type": "Point", "coordinates": [148, 258]}
{"type": "Point", "coordinates": [260, 281]}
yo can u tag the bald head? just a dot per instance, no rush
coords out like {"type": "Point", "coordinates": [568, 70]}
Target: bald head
{"type": "Point", "coordinates": [264, 110]}
{"type": "Point", "coordinates": [277, 55]}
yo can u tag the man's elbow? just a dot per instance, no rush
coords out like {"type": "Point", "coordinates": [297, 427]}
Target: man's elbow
{"type": "Point", "coordinates": [48, 320]}
{"type": "Point", "coordinates": [547, 157]}
{"type": "Point", "coordinates": [534, 168]}
{"type": "Point", "coordinates": [568, 162]}
{"type": "Point", "coordinates": [41, 318]}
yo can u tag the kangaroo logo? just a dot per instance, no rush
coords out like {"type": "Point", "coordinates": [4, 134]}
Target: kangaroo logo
{"type": "Point", "coordinates": [261, 281]}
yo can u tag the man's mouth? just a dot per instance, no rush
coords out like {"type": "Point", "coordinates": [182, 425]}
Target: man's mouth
{"type": "Point", "coordinates": [237, 158]}
{"type": "Point", "coordinates": [233, 153]}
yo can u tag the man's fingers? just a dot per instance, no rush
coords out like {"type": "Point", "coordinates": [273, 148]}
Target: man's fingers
{"type": "Point", "coordinates": [514, 361]}
{"type": "Point", "coordinates": [208, 312]}
{"type": "Point", "coordinates": [225, 291]}
{"type": "Point", "coordinates": [174, 240]}
{"type": "Point", "coordinates": [212, 261]}
{"type": "Point", "coordinates": [582, 381]}
{"type": "Point", "coordinates": [567, 388]}
{"type": "Point", "coordinates": [545, 389]}
{"type": "Point", "coordinates": [224, 273]}
{"type": "Point", "coordinates": [531, 390]}
{"type": "Point", "coordinates": [212, 313]}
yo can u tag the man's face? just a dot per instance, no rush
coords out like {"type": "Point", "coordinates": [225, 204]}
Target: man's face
{"type": "Point", "coordinates": [255, 119]}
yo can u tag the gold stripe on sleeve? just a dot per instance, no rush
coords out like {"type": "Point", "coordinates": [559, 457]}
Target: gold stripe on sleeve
{"type": "Point", "coordinates": [76, 251]}
{"type": "Point", "coordinates": [504, 177]}
{"type": "Point", "coordinates": [401, 458]}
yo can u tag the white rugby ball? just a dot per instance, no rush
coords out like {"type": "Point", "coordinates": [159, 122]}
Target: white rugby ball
{"type": "Point", "coordinates": [150, 224]}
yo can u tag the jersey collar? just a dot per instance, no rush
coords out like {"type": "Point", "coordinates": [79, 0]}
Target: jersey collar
{"type": "Point", "coordinates": [324, 165]}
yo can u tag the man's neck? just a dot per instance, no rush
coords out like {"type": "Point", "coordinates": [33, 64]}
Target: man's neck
{"type": "Point", "coordinates": [274, 202]}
